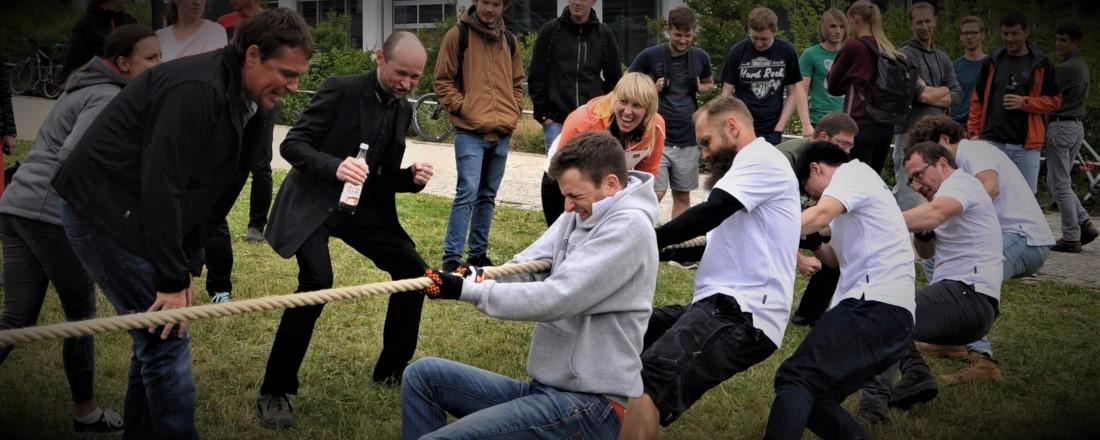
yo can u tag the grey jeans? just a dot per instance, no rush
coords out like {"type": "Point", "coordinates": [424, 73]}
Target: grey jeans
{"type": "Point", "coordinates": [1063, 142]}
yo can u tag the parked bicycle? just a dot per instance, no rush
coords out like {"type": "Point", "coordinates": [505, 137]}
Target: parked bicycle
{"type": "Point", "coordinates": [38, 71]}
{"type": "Point", "coordinates": [431, 120]}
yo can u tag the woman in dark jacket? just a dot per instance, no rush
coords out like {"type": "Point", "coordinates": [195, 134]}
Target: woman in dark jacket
{"type": "Point", "coordinates": [90, 32]}
{"type": "Point", "coordinates": [35, 248]}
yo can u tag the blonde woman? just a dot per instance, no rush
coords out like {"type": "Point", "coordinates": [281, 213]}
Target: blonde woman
{"type": "Point", "coordinates": [629, 113]}
{"type": "Point", "coordinates": [815, 63]}
{"type": "Point", "coordinates": [853, 74]}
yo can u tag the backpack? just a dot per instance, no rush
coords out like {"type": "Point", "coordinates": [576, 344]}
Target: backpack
{"type": "Point", "coordinates": [893, 90]}
{"type": "Point", "coordinates": [692, 75]}
{"type": "Point", "coordinates": [464, 42]}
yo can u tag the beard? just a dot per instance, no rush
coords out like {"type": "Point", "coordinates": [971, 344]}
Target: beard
{"type": "Point", "coordinates": [719, 163]}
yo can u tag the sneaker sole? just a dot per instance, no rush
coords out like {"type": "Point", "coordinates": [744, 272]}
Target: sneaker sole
{"type": "Point", "coordinates": [273, 425]}
{"type": "Point", "coordinates": [921, 395]}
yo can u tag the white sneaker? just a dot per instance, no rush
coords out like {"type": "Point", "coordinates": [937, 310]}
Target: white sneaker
{"type": "Point", "coordinates": [220, 297]}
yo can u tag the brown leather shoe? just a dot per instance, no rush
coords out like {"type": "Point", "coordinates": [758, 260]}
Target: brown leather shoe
{"type": "Point", "coordinates": [1072, 247]}
{"type": "Point", "coordinates": [953, 352]}
{"type": "Point", "coordinates": [981, 368]}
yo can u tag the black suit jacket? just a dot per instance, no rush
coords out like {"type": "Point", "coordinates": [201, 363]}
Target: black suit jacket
{"type": "Point", "coordinates": [345, 111]}
{"type": "Point", "coordinates": [164, 162]}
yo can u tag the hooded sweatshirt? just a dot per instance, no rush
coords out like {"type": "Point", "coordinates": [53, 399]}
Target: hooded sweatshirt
{"type": "Point", "coordinates": [88, 91]}
{"type": "Point", "coordinates": [594, 305]}
{"type": "Point", "coordinates": [936, 69]}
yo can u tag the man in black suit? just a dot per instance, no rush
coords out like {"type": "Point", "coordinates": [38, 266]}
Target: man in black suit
{"type": "Point", "coordinates": [347, 111]}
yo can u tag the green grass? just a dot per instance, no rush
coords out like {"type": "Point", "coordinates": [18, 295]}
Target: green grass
{"type": "Point", "coordinates": [1045, 338]}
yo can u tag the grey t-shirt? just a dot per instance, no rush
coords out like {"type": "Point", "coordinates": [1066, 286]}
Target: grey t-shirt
{"type": "Point", "coordinates": [1013, 74]}
{"type": "Point", "coordinates": [1073, 81]}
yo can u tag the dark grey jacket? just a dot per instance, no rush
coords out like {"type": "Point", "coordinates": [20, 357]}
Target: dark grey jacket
{"type": "Point", "coordinates": [345, 111]}
{"type": "Point", "coordinates": [936, 69]}
{"type": "Point", "coordinates": [88, 91]}
{"type": "Point", "coordinates": [571, 63]}
{"type": "Point", "coordinates": [164, 162]}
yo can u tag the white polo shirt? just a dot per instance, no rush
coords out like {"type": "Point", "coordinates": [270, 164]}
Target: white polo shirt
{"type": "Point", "coordinates": [751, 255]}
{"type": "Point", "coordinates": [1017, 209]}
{"type": "Point", "coordinates": [870, 240]}
{"type": "Point", "coordinates": [968, 246]}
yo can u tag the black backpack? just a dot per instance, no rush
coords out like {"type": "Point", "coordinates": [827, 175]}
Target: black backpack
{"type": "Point", "coordinates": [893, 91]}
{"type": "Point", "coordinates": [693, 76]}
{"type": "Point", "coordinates": [464, 42]}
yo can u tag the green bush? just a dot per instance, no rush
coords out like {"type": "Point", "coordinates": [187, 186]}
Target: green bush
{"type": "Point", "coordinates": [334, 54]}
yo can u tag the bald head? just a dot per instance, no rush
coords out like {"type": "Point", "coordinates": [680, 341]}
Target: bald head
{"type": "Point", "coordinates": [401, 63]}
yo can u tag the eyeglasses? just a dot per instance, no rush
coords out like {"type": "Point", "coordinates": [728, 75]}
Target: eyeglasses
{"type": "Point", "coordinates": [917, 175]}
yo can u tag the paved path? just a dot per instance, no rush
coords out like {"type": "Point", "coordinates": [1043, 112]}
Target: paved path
{"type": "Point", "coordinates": [523, 178]}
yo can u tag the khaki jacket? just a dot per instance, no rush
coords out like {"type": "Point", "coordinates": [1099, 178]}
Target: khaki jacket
{"type": "Point", "coordinates": [492, 77]}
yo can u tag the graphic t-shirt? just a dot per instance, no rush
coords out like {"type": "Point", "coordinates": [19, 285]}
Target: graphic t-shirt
{"type": "Point", "coordinates": [751, 254]}
{"type": "Point", "coordinates": [870, 240]}
{"type": "Point", "coordinates": [966, 72]}
{"type": "Point", "coordinates": [1012, 75]}
{"type": "Point", "coordinates": [815, 63]}
{"type": "Point", "coordinates": [968, 245]}
{"type": "Point", "coordinates": [677, 103]}
{"type": "Point", "coordinates": [759, 79]}
{"type": "Point", "coordinates": [1017, 209]}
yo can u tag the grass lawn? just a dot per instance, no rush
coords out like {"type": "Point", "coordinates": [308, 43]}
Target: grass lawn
{"type": "Point", "coordinates": [1045, 337]}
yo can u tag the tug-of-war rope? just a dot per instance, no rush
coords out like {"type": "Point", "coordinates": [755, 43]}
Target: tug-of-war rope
{"type": "Point", "coordinates": [210, 311]}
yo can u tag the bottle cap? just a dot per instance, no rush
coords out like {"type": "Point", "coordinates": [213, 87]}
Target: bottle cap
{"type": "Point", "coordinates": [363, 146]}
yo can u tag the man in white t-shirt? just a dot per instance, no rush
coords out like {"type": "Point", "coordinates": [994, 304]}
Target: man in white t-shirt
{"type": "Point", "coordinates": [959, 226]}
{"type": "Point", "coordinates": [745, 282]}
{"type": "Point", "coordinates": [870, 323]}
{"type": "Point", "coordinates": [1025, 234]}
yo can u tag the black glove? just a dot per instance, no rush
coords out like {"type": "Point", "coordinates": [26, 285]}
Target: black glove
{"type": "Point", "coordinates": [445, 285]}
{"type": "Point", "coordinates": [925, 236]}
{"type": "Point", "coordinates": [471, 274]}
{"type": "Point", "coordinates": [812, 242]}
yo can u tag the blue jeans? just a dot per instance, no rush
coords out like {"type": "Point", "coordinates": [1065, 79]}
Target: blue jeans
{"type": "Point", "coordinates": [549, 133]}
{"type": "Point", "coordinates": [1026, 160]}
{"type": "Point", "coordinates": [480, 166]}
{"type": "Point", "coordinates": [160, 393]}
{"type": "Point", "coordinates": [489, 405]}
{"type": "Point", "coordinates": [849, 346]}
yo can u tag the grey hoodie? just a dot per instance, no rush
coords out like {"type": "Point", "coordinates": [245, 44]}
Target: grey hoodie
{"type": "Point", "coordinates": [594, 305]}
{"type": "Point", "coordinates": [89, 89]}
{"type": "Point", "coordinates": [937, 70]}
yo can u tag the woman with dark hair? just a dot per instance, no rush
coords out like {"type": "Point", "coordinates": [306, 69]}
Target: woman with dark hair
{"type": "Point", "coordinates": [90, 32]}
{"type": "Point", "coordinates": [35, 249]}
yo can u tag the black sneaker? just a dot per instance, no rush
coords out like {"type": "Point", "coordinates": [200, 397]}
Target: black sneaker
{"type": "Point", "coordinates": [1088, 232]}
{"type": "Point", "coordinates": [450, 266]}
{"type": "Point", "coordinates": [916, 386]}
{"type": "Point", "coordinates": [109, 423]}
{"type": "Point", "coordinates": [479, 261]}
{"type": "Point", "coordinates": [274, 411]}
{"type": "Point", "coordinates": [804, 320]}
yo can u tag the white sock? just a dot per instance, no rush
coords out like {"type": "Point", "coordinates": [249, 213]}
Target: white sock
{"type": "Point", "coordinates": [91, 417]}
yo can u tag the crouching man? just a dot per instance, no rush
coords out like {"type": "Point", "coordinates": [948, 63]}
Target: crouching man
{"type": "Point", "coordinates": [592, 308]}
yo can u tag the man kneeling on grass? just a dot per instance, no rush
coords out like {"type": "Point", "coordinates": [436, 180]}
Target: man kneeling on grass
{"type": "Point", "coordinates": [592, 308]}
{"type": "Point", "coordinates": [870, 324]}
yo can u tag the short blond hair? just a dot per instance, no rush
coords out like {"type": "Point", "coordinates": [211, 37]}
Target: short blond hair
{"type": "Point", "coordinates": [762, 19]}
{"type": "Point", "coordinates": [638, 88]}
{"type": "Point", "coordinates": [973, 19]}
{"type": "Point", "coordinates": [718, 108]}
{"type": "Point", "coordinates": [836, 16]}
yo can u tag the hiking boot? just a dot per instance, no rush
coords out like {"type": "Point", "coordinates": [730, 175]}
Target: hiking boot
{"type": "Point", "coordinates": [254, 234]}
{"type": "Point", "coordinates": [450, 266]}
{"type": "Point", "coordinates": [220, 297]}
{"type": "Point", "coordinates": [109, 422]}
{"type": "Point", "coordinates": [953, 352]}
{"type": "Point", "coordinates": [916, 386]}
{"type": "Point", "coordinates": [274, 411]}
{"type": "Point", "coordinates": [981, 368]}
{"type": "Point", "coordinates": [479, 261]}
{"type": "Point", "coordinates": [1088, 232]}
{"type": "Point", "coordinates": [1072, 247]}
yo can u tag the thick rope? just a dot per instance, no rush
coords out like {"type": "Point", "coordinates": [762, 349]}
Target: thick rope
{"type": "Point", "coordinates": [699, 241]}
{"type": "Point", "coordinates": [210, 311]}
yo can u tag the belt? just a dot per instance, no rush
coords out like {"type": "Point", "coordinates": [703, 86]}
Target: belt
{"type": "Point", "coordinates": [1064, 118]}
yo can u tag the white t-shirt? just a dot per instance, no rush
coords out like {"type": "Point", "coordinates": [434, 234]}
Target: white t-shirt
{"type": "Point", "coordinates": [870, 240]}
{"type": "Point", "coordinates": [751, 255]}
{"type": "Point", "coordinates": [968, 246]}
{"type": "Point", "coordinates": [210, 36]}
{"type": "Point", "coordinates": [1017, 209]}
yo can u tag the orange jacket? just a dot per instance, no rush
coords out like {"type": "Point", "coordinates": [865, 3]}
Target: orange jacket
{"type": "Point", "coordinates": [596, 115]}
{"type": "Point", "coordinates": [1042, 97]}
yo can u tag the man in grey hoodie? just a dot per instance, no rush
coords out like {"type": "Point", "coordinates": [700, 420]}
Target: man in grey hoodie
{"type": "Point", "coordinates": [592, 308]}
{"type": "Point", "coordinates": [938, 91]}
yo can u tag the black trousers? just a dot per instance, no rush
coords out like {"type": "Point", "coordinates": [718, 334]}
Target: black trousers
{"type": "Point", "coordinates": [949, 313]}
{"type": "Point", "coordinates": [819, 293]}
{"type": "Point", "coordinates": [36, 254]}
{"type": "Point", "coordinates": [553, 203]}
{"type": "Point", "coordinates": [391, 249]}
{"type": "Point", "coordinates": [219, 260]}
{"type": "Point", "coordinates": [260, 197]}
{"type": "Point", "coordinates": [872, 145]}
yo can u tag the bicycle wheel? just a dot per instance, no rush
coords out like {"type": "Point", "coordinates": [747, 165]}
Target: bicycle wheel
{"type": "Point", "coordinates": [431, 120]}
{"type": "Point", "coordinates": [54, 84]}
{"type": "Point", "coordinates": [22, 76]}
